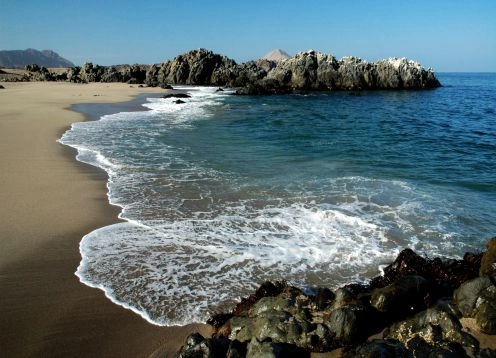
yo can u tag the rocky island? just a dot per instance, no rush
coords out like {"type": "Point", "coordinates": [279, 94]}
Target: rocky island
{"type": "Point", "coordinates": [414, 309]}
{"type": "Point", "coordinates": [306, 71]}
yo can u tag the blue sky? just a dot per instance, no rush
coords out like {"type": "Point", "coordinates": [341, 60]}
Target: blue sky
{"type": "Point", "coordinates": [456, 35]}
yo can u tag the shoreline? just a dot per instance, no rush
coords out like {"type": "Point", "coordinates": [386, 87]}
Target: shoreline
{"type": "Point", "coordinates": [49, 202]}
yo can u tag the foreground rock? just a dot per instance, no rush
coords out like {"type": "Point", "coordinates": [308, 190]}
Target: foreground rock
{"type": "Point", "coordinates": [415, 306]}
{"type": "Point", "coordinates": [306, 71]}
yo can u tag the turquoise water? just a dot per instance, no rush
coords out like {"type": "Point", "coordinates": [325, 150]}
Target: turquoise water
{"type": "Point", "coordinates": [223, 192]}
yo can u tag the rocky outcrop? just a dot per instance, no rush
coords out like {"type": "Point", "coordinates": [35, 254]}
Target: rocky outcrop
{"type": "Point", "coordinates": [199, 67]}
{"type": "Point", "coordinates": [416, 304]}
{"type": "Point", "coordinates": [306, 71]}
{"type": "Point", "coordinates": [317, 71]}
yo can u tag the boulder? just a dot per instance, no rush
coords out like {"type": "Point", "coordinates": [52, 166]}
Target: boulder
{"type": "Point", "coordinates": [323, 298]}
{"type": "Point", "coordinates": [176, 95]}
{"type": "Point", "coordinates": [477, 299]}
{"type": "Point", "coordinates": [278, 319]}
{"type": "Point", "coordinates": [196, 346]}
{"type": "Point", "coordinates": [348, 324]}
{"type": "Point", "coordinates": [466, 296]}
{"type": "Point", "coordinates": [437, 325]}
{"type": "Point", "coordinates": [257, 349]}
{"type": "Point", "coordinates": [403, 297]}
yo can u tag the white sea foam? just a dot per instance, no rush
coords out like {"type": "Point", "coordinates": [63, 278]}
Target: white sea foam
{"type": "Point", "coordinates": [173, 268]}
{"type": "Point", "coordinates": [179, 271]}
{"type": "Point", "coordinates": [194, 108]}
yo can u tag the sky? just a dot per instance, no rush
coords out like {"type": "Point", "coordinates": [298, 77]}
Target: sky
{"type": "Point", "coordinates": [446, 35]}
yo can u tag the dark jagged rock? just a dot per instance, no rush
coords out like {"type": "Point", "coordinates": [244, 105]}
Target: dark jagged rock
{"type": "Point", "coordinates": [441, 349]}
{"type": "Point", "coordinates": [437, 325]}
{"type": "Point", "coordinates": [465, 297]}
{"type": "Point", "coordinates": [348, 324]}
{"type": "Point", "coordinates": [179, 101]}
{"type": "Point", "coordinates": [197, 346]}
{"type": "Point", "coordinates": [444, 275]}
{"type": "Point", "coordinates": [257, 349]}
{"type": "Point", "coordinates": [91, 73]}
{"type": "Point", "coordinates": [176, 95]}
{"type": "Point", "coordinates": [405, 296]}
{"type": "Point", "coordinates": [37, 73]}
{"type": "Point", "coordinates": [323, 298]}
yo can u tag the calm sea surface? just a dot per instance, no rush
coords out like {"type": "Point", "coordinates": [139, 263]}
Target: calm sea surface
{"type": "Point", "coordinates": [224, 192]}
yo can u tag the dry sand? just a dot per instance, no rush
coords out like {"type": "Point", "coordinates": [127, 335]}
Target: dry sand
{"type": "Point", "coordinates": [48, 201]}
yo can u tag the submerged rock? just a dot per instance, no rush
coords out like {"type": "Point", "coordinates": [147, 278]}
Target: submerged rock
{"type": "Point", "coordinates": [176, 95]}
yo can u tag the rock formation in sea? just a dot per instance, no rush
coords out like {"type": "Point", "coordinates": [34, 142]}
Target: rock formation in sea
{"type": "Point", "coordinates": [306, 71]}
{"type": "Point", "coordinates": [412, 310]}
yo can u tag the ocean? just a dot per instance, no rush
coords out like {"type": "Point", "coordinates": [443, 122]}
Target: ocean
{"type": "Point", "coordinates": [224, 192]}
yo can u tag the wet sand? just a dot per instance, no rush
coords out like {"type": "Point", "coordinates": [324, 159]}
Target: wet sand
{"type": "Point", "coordinates": [48, 202]}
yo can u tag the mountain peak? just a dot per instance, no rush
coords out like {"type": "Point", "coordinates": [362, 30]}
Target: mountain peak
{"type": "Point", "coordinates": [21, 58]}
{"type": "Point", "coordinates": [276, 55]}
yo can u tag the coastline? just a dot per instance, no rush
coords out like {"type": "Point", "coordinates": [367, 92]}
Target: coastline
{"type": "Point", "coordinates": [49, 201]}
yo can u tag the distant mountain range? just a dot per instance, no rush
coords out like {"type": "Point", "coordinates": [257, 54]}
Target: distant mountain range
{"type": "Point", "coordinates": [21, 58]}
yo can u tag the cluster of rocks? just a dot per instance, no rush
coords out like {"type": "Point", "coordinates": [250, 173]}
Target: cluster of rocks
{"type": "Point", "coordinates": [306, 71]}
{"type": "Point", "coordinates": [133, 74]}
{"type": "Point", "coordinates": [412, 310]}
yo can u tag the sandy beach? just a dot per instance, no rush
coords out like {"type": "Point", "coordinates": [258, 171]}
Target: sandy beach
{"type": "Point", "coordinates": [49, 201]}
